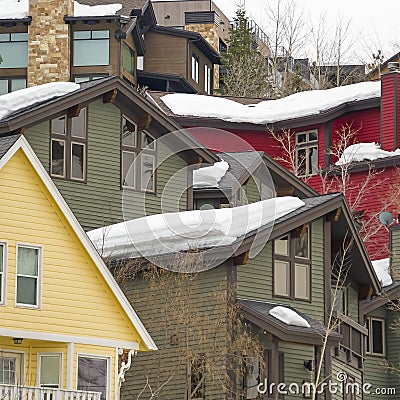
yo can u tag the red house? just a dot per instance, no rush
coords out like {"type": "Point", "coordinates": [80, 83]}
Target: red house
{"type": "Point", "coordinates": [311, 125]}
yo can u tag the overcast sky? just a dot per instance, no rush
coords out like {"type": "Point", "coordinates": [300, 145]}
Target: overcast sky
{"type": "Point", "coordinates": [373, 25]}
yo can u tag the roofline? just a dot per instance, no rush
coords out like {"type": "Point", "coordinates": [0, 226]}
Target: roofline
{"type": "Point", "coordinates": [384, 64]}
{"type": "Point", "coordinates": [113, 17]}
{"type": "Point", "coordinates": [13, 21]}
{"type": "Point", "coordinates": [163, 75]}
{"type": "Point", "coordinates": [48, 109]}
{"type": "Point", "coordinates": [23, 144]}
{"type": "Point", "coordinates": [367, 306]}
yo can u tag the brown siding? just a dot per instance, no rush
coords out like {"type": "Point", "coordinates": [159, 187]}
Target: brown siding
{"type": "Point", "coordinates": [203, 60]}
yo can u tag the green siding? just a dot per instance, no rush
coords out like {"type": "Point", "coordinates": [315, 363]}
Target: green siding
{"type": "Point", "coordinates": [195, 310]}
{"type": "Point", "coordinates": [338, 368]}
{"type": "Point", "coordinates": [352, 304]}
{"type": "Point", "coordinates": [252, 192]}
{"type": "Point", "coordinates": [255, 279]}
{"type": "Point", "coordinates": [393, 348]}
{"type": "Point", "coordinates": [100, 201]}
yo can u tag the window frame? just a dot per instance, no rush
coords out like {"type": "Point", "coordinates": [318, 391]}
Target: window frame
{"type": "Point", "coordinates": [89, 77]}
{"type": "Point", "coordinates": [40, 249]}
{"type": "Point", "coordinates": [69, 140]}
{"type": "Point", "coordinates": [22, 361]}
{"type": "Point", "coordinates": [370, 338]}
{"type": "Point", "coordinates": [3, 286]}
{"type": "Point", "coordinates": [15, 41]}
{"type": "Point", "coordinates": [139, 151]}
{"type": "Point", "coordinates": [307, 145]}
{"type": "Point", "coordinates": [132, 57]}
{"type": "Point", "coordinates": [195, 68]}
{"type": "Point", "coordinates": [89, 39]}
{"type": "Point", "coordinates": [292, 261]}
{"type": "Point", "coordinates": [39, 369]}
{"type": "Point", "coordinates": [207, 79]}
{"type": "Point", "coordinates": [10, 79]}
{"type": "Point", "coordinates": [109, 364]}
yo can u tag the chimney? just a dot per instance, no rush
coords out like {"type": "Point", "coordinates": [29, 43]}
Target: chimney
{"type": "Point", "coordinates": [390, 108]}
{"type": "Point", "coordinates": [49, 41]}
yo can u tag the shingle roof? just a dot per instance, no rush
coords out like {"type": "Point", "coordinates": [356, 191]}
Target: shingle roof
{"type": "Point", "coordinates": [6, 142]}
{"type": "Point", "coordinates": [127, 5]}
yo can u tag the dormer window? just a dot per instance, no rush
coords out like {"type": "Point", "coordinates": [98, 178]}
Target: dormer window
{"type": "Point", "coordinates": [14, 50]}
{"type": "Point", "coordinates": [91, 48]}
{"type": "Point", "coordinates": [68, 147]}
{"type": "Point", "coordinates": [307, 153]}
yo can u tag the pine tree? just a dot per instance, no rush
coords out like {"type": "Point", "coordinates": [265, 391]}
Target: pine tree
{"type": "Point", "coordinates": [246, 69]}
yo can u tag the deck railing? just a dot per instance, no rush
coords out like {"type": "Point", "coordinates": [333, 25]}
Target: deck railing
{"type": "Point", "coordinates": [16, 392]}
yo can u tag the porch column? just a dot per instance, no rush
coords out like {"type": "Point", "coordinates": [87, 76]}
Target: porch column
{"type": "Point", "coordinates": [70, 365]}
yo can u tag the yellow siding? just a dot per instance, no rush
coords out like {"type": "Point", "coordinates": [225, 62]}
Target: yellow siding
{"type": "Point", "coordinates": [76, 300]}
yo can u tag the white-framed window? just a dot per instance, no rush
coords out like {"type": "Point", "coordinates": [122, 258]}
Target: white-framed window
{"type": "Point", "coordinates": [28, 282]}
{"type": "Point", "coordinates": [195, 68]}
{"type": "Point", "coordinates": [376, 340]}
{"type": "Point", "coordinates": [3, 272]}
{"type": "Point", "coordinates": [93, 374]}
{"type": "Point", "coordinates": [50, 370]}
{"type": "Point", "coordinates": [307, 153]}
{"type": "Point", "coordinates": [207, 79]}
{"type": "Point", "coordinates": [11, 368]}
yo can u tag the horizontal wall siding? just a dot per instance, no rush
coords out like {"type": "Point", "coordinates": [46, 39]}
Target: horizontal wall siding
{"type": "Point", "coordinates": [352, 304]}
{"type": "Point", "coordinates": [393, 348]}
{"type": "Point", "coordinates": [252, 191]}
{"type": "Point", "coordinates": [339, 370]}
{"type": "Point", "coordinates": [100, 201]}
{"type": "Point", "coordinates": [187, 311]}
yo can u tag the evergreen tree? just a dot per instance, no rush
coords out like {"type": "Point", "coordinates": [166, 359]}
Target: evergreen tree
{"type": "Point", "coordinates": [246, 69]}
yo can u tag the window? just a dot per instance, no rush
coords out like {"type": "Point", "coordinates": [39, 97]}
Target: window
{"type": "Point", "coordinates": [350, 389]}
{"type": "Point", "coordinates": [196, 386]}
{"type": "Point", "coordinates": [307, 153]}
{"type": "Point", "coordinates": [93, 375]}
{"type": "Point", "coordinates": [128, 59]}
{"type": "Point", "coordinates": [88, 78]}
{"type": "Point", "coordinates": [340, 303]}
{"type": "Point", "coordinates": [138, 158]}
{"type": "Point", "coordinates": [91, 48]}
{"type": "Point", "coordinates": [207, 79]}
{"type": "Point", "coordinates": [68, 147]}
{"type": "Point", "coordinates": [8, 85]}
{"type": "Point", "coordinates": [28, 275]}
{"type": "Point", "coordinates": [292, 265]}
{"type": "Point", "coordinates": [376, 340]}
{"type": "Point", "coordinates": [252, 377]}
{"type": "Point", "coordinates": [14, 50]}
{"type": "Point", "coordinates": [195, 68]}
{"type": "Point", "coordinates": [3, 272]}
{"type": "Point", "coordinates": [50, 370]}
{"type": "Point", "coordinates": [10, 368]}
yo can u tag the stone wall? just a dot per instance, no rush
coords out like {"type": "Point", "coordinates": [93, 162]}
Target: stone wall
{"type": "Point", "coordinates": [49, 41]}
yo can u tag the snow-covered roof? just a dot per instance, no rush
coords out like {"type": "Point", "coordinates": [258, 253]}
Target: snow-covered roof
{"type": "Point", "coordinates": [21, 99]}
{"type": "Point", "coordinates": [382, 270]}
{"type": "Point", "coordinates": [17, 9]}
{"type": "Point", "coordinates": [288, 316]}
{"type": "Point", "coordinates": [188, 230]}
{"type": "Point", "coordinates": [297, 105]}
{"type": "Point", "coordinates": [210, 176]}
{"type": "Point", "coordinates": [365, 152]}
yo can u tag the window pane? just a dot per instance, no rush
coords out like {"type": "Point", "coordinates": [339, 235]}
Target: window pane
{"type": "Point", "coordinates": [14, 54]}
{"type": "Point", "coordinates": [78, 125]}
{"type": "Point", "coordinates": [129, 130]}
{"type": "Point", "coordinates": [59, 125]}
{"type": "Point", "coordinates": [312, 136]}
{"type": "Point", "coordinates": [147, 177]}
{"type": "Point", "coordinates": [91, 52]}
{"type": "Point", "coordinates": [301, 162]}
{"type": "Point", "coordinates": [252, 377]}
{"type": "Point", "coordinates": [3, 86]}
{"type": "Point", "coordinates": [50, 370]}
{"type": "Point", "coordinates": [100, 34]}
{"type": "Point", "coordinates": [7, 370]}
{"type": "Point", "coordinates": [1, 258]}
{"type": "Point", "coordinates": [128, 59]}
{"type": "Point", "coordinates": [78, 161]}
{"type": "Point", "coordinates": [281, 246]}
{"type": "Point", "coordinates": [58, 158]}
{"type": "Point", "coordinates": [82, 79]}
{"type": "Point", "coordinates": [301, 246]}
{"type": "Point", "coordinates": [4, 37]}
{"type": "Point", "coordinates": [82, 34]}
{"type": "Point", "coordinates": [302, 281]}
{"type": "Point", "coordinates": [92, 375]}
{"type": "Point", "coordinates": [128, 176]}
{"type": "Point", "coordinates": [313, 160]}
{"type": "Point", "coordinates": [17, 84]}
{"type": "Point", "coordinates": [281, 278]}
{"type": "Point", "coordinates": [19, 37]}
{"type": "Point", "coordinates": [301, 137]}
{"type": "Point", "coordinates": [28, 261]}
{"type": "Point", "coordinates": [26, 290]}
{"type": "Point", "coordinates": [377, 337]}
{"type": "Point", "coordinates": [148, 141]}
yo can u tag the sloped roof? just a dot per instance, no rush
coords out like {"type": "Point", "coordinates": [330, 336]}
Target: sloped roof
{"type": "Point", "coordinates": [6, 142]}
{"type": "Point", "coordinates": [127, 5]}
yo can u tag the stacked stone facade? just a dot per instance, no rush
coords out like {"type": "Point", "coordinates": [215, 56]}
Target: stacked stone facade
{"type": "Point", "coordinates": [49, 41]}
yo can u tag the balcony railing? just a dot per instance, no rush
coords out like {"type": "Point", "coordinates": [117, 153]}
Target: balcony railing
{"type": "Point", "coordinates": [15, 392]}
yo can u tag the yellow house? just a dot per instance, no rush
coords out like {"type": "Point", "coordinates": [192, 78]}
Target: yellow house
{"type": "Point", "coordinates": [66, 329]}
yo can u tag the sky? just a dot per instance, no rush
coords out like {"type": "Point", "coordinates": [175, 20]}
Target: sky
{"type": "Point", "coordinates": [372, 25]}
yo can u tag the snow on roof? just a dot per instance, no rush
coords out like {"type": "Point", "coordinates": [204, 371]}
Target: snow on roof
{"type": "Point", "coordinates": [382, 270]}
{"type": "Point", "coordinates": [296, 105]}
{"type": "Point", "coordinates": [364, 152]}
{"type": "Point", "coordinates": [288, 316]}
{"type": "Point", "coordinates": [187, 230]}
{"type": "Point", "coordinates": [83, 10]}
{"type": "Point", "coordinates": [210, 176]}
{"type": "Point", "coordinates": [14, 101]}
{"type": "Point", "coordinates": [16, 9]}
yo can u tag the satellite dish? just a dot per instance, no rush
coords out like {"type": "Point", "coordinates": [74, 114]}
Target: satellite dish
{"type": "Point", "coordinates": [386, 218]}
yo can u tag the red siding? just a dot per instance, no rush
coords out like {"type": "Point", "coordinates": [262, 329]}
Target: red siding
{"type": "Point", "coordinates": [387, 112]}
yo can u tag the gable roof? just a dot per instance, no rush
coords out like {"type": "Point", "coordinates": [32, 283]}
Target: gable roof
{"type": "Point", "coordinates": [8, 149]}
{"type": "Point", "coordinates": [127, 5]}
{"type": "Point", "coordinates": [124, 97]}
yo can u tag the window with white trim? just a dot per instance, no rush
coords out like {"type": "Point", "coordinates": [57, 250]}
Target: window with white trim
{"type": "Point", "coordinates": [195, 68]}
{"type": "Point", "coordinates": [138, 158]}
{"type": "Point", "coordinates": [3, 272]}
{"type": "Point", "coordinates": [376, 340]}
{"type": "Point", "coordinates": [306, 153]}
{"type": "Point", "coordinates": [50, 366]}
{"type": "Point", "coordinates": [207, 79]}
{"type": "Point", "coordinates": [93, 375]}
{"type": "Point", "coordinates": [28, 275]}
